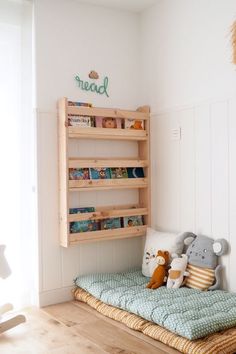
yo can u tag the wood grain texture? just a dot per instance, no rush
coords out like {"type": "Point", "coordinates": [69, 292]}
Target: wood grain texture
{"type": "Point", "coordinates": [109, 335]}
{"type": "Point", "coordinates": [104, 235]}
{"type": "Point", "coordinates": [66, 161]}
{"type": "Point", "coordinates": [107, 134]}
{"type": "Point", "coordinates": [141, 113]}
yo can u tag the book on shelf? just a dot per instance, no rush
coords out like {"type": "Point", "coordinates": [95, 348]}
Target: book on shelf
{"type": "Point", "coordinates": [83, 226]}
{"type": "Point", "coordinates": [119, 172]}
{"type": "Point", "coordinates": [79, 173]}
{"type": "Point", "coordinates": [135, 172]}
{"type": "Point", "coordinates": [100, 173]}
{"type": "Point", "coordinates": [83, 104]}
{"type": "Point", "coordinates": [130, 221]}
{"type": "Point", "coordinates": [106, 122]}
{"type": "Point", "coordinates": [81, 210]}
{"type": "Point", "coordinates": [134, 124]}
{"type": "Point", "coordinates": [80, 121]}
{"type": "Point", "coordinates": [110, 223]}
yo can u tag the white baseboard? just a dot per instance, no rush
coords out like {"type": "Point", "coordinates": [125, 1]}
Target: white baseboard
{"type": "Point", "coordinates": [55, 296]}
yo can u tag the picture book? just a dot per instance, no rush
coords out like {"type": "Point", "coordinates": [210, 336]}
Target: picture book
{"type": "Point", "coordinates": [119, 172]}
{"type": "Point", "coordinates": [78, 173]}
{"type": "Point", "coordinates": [80, 121]}
{"type": "Point", "coordinates": [135, 172]}
{"type": "Point", "coordinates": [133, 220]}
{"type": "Point", "coordinates": [84, 104]}
{"type": "Point", "coordinates": [134, 124]}
{"type": "Point", "coordinates": [83, 226]}
{"type": "Point", "coordinates": [100, 173]}
{"type": "Point", "coordinates": [103, 122]}
{"type": "Point", "coordinates": [112, 223]}
{"type": "Point", "coordinates": [81, 210]}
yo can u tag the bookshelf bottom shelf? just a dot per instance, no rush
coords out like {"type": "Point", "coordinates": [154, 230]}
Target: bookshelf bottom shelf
{"type": "Point", "coordinates": [104, 235]}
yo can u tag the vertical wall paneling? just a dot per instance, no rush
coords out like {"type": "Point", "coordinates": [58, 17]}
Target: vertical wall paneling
{"type": "Point", "coordinates": [219, 126]}
{"type": "Point", "coordinates": [88, 258]}
{"type": "Point", "coordinates": [232, 191]}
{"type": "Point", "coordinates": [154, 148]}
{"type": "Point", "coordinates": [69, 265]}
{"type": "Point", "coordinates": [203, 169]}
{"type": "Point", "coordinates": [220, 175]}
{"type": "Point", "coordinates": [105, 262]}
{"type": "Point", "coordinates": [187, 176]}
{"type": "Point", "coordinates": [131, 253]}
{"type": "Point", "coordinates": [166, 174]}
{"type": "Point", "coordinates": [194, 179]}
{"type": "Point", "coordinates": [48, 186]}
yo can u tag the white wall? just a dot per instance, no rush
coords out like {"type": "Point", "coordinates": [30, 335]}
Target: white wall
{"type": "Point", "coordinates": [190, 83]}
{"type": "Point", "coordinates": [187, 52]}
{"type": "Point", "coordinates": [72, 38]}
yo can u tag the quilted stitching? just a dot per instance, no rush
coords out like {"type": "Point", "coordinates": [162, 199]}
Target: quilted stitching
{"type": "Point", "coordinates": [190, 313]}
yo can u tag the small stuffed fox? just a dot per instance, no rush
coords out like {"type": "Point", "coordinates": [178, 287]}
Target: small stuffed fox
{"type": "Point", "coordinates": [159, 274]}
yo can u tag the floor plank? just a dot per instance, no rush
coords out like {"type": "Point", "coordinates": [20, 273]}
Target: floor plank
{"type": "Point", "coordinates": [42, 334]}
{"type": "Point", "coordinates": [111, 336]}
{"type": "Point", "coordinates": [75, 328]}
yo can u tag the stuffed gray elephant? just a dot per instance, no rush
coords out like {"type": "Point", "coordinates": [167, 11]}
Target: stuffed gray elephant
{"type": "Point", "coordinates": [203, 252]}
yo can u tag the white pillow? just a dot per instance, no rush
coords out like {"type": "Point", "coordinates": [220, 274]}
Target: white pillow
{"type": "Point", "coordinates": [156, 240]}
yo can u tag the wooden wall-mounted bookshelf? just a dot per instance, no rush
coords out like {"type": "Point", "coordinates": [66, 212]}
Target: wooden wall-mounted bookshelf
{"type": "Point", "coordinates": [66, 186]}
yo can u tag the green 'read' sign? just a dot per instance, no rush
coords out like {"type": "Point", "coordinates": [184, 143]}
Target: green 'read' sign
{"type": "Point", "coordinates": [91, 86]}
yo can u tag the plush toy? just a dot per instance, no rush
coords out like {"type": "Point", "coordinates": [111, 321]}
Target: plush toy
{"type": "Point", "coordinates": [177, 272]}
{"type": "Point", "coordinates": [203, 252]}
{"type": "Point", "coordinates": [159, 274]}
{"type": "Point", "coordinates": [138, 124]}
{"type": "Point", "coordinates": [109, 123]}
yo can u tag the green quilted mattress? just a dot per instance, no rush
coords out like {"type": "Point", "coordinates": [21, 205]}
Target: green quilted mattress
{"type": "Point", "coordinates": [188, 312]}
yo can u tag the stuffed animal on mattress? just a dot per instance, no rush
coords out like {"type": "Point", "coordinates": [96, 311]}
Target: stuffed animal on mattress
{"type": "Point", "coordinates": [159, 275]}
{"type": "Point", "coordinates": [177, 272]}
{"type": "Point", "coordinates": [203, 268]}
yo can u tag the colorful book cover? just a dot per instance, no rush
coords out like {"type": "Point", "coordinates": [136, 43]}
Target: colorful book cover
{"type": "Point", "coordinates": [133, 220]}
{"type": "Point", "coordinates": [135, 172]}
{"type": "Point", "coordinates": [80, 121]}
{"type": "Point", "coordinates": [112, 223]}
{"type": "Point", "coordinates": [83, 104]}
{"type": "Point", "coordinates": [104, 122]}
{"type": "Point", "coordinates": [79, 173]}
{"type": "Point", "coordinates": [81, 210]}
{"type": "Point", "coordinates": [119, 172]}
{"type": "Point", "coordinates": [83, 226]}
{"type": "Point", "coordinates": [100, 173]}
{"type": "Point", "coordinates": [134, 124]}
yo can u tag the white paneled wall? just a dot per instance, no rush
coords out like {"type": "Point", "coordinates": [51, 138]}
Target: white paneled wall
{"type": "Point", "coordinates": [194, 178]}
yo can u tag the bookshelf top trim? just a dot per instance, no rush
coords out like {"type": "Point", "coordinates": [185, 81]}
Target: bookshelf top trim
{"type": "Point", "coordinates": [107, 112]}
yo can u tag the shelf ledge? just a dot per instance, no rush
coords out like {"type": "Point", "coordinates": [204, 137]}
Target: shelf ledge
{"type": "Point", "coordinates": [104, 235]}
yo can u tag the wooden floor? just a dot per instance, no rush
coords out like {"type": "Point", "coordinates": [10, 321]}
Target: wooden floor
{"type": "Point", "coordinates": [75, 328]}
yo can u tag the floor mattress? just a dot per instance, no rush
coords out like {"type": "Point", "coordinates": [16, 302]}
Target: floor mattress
{"type": "Point", "coordinates": [223, 342]}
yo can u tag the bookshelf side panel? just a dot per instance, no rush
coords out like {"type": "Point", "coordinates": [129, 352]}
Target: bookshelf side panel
{"type": "Point", "coordinates": [63, 171]}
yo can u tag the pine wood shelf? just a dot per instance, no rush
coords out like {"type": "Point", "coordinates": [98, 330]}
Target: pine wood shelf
{"type": "Point", "coordinates": [104, 235]}
{"type": "Point", "coordinates": [104, 214]}
{"type": "Point", "coordinates": [96, 184]}
{"type": "Point", "coordinates": [107, 112]}
{"type": "Point", "coordinates": [74, 162]}
{"type": "Point", "coordinates": [107, 134]}
{"type": "Point", "coordinates": [142, 185]}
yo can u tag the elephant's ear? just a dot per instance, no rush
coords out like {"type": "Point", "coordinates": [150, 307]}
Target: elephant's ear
{"type": "Point", "coordinates": [220, 247]}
